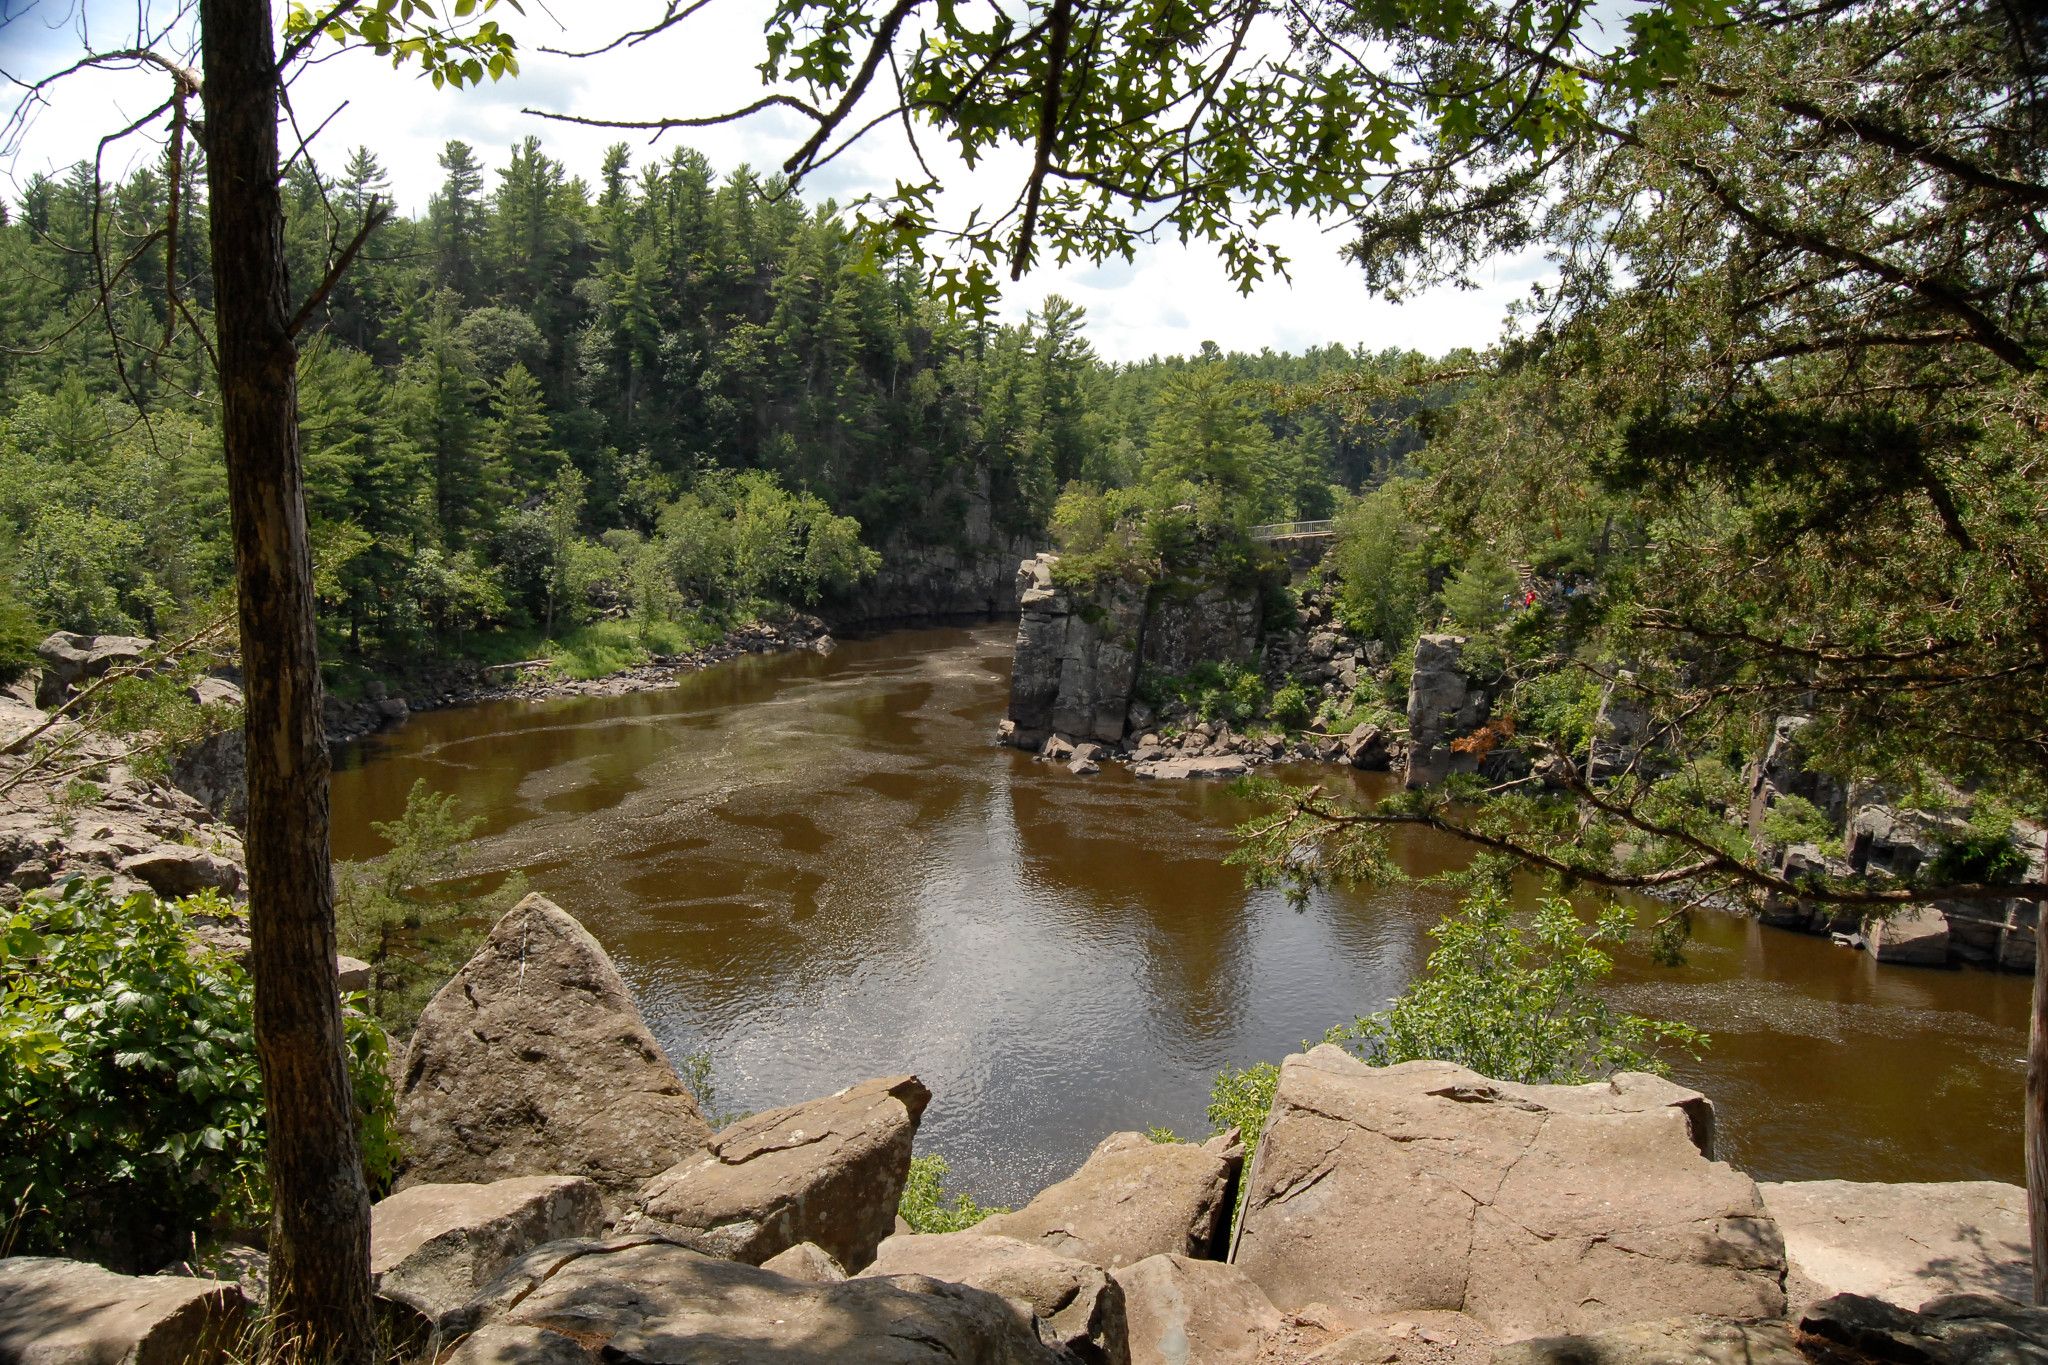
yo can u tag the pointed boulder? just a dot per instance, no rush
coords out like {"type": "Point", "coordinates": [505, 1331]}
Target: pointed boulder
{"type": "Point", "coordinates": [534, 1060]}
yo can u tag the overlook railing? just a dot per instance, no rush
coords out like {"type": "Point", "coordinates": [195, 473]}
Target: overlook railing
{"type": "Point", "coordinates": [1292, 530]}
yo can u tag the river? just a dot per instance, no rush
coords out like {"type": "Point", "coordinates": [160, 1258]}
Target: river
{"type": "Point", "coordinates": [820, 869]}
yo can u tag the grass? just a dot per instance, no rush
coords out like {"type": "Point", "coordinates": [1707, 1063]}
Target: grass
{"type": "Point", "coordinates": [582, 653]}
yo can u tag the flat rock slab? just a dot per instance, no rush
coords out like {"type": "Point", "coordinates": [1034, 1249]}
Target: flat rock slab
{"type": "Point", "coordinates": [435, 1246]}
{"type": "Point", "coordinates": [1218, 766]}
{"type": "Point", "coordinates": [534, 1060]}
{"type": "Point", "coordinates": [1134, 1198]}
{"type": "Point", "coordinates": [1535, 1209]}
{"type": "Point", "coordinates": [648, 1300]}
{"type": "Point", "coordinates": [829, 1171]}
{"type": "Point", "coordinates": [1079, 1307]}
{"type": "Point", "coordinates": [57, 1312]}
{"type": "Point", "coordinates": [1669, 1341]}
{"type": "Point", "coordinates": [1188, 1312]}
{"type": "Point", "coordinates": [1905, 1243]}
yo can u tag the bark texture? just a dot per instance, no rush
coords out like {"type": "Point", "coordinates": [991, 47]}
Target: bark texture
{"type": "Point", "coordinates": [320, 1238]}
{"type": "Point", "coordinates": [2037, 1112]}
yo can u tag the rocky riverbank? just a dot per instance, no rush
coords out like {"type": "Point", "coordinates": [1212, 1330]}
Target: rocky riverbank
{"type": "Point", "coordinates": [562, 1196]}
{"type": "Point", "coordinates": [1087, 656]}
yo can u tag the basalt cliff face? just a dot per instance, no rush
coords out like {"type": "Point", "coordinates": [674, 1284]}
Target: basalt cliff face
{"type": "Point", "coordinates": [1080, 649]}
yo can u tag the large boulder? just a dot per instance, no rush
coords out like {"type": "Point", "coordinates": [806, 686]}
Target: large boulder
{"type": "Point", "coordinates": [70, 660]}
{"type": "Point", "coordinates": [1913, 935]}
{"type": "Point", "coordinates": [1906, 1243]}
{"type": "Point", "coordinates": [57, 1312]}
{"type": "Point", "coordinates": [534, 1060]}
{"type": "Point", "coordinates": [829, 1171]}
{"type": "Point", "coordinates": [1665, 1341]}
{"type": "Point", "coordinates": [174, 870]}
{"type": "Point", "coordinates": [1533, 1208]}
{"type": "Point", "coordinates": [643, 1299]}
{"type": "Point", "coordinates": [1188, 1312]}
{"type": "Point", "coordinates": [435, 1246]}
{"type": "Point", "coordinates": [1080, 1309]}
{"type": "Point", "coordinates": [1135, 1198]}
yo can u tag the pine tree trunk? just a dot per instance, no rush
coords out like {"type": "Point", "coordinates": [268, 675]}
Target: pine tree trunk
{"type": "Point", "coordinates": [320, 1233]}
{"type": "Point", "coordinates": [2037, 1108]}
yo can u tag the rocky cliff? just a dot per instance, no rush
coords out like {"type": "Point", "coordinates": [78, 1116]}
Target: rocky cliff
{"type": "Point", "coordinates": [1080, 650]}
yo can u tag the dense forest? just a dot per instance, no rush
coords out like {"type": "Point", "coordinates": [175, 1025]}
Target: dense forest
{"type": "Point", "coordinates": [663, 396]}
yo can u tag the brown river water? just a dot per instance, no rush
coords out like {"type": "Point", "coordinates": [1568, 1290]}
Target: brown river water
{"type": "Point", "coordinates": [821, 869]}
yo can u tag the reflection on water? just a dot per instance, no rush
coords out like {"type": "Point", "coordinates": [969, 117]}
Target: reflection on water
{"type": "Point", "coordinates": [820, 869]}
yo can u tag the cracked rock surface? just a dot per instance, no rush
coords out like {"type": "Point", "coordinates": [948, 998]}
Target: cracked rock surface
{"type": "Point", "coordinates": [1532, 1208]}
{"type": "Point", "coordinates": [644, 1299]}
{"type": "Point", "coordinates": [437, 1245]}
{"type": "Point", "coordinates": [1134, 1198]}
{"type": "Point", "coordinates": [827, 1171]}
{"type": "Point", "coordinates": [534, 1060]}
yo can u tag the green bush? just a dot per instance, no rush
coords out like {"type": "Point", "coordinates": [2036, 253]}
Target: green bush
{"type": "Point", "coordinates": [1517, 1005]}
{"type": "Point", "coordinates": [128, 1076]}
{"type": "Point", "coordinates": [1214, 691]}
{"type": "Point", "coordinates": [929, 1207]}
{"type": "Point", "coordinates": [398, 915]}
{"type": "Point", "coordinates": [1290, 707]}
{"type": "Point", "coordinates": [1983, 853]}
{"type": "Point", "coordinates": [1796, 820]}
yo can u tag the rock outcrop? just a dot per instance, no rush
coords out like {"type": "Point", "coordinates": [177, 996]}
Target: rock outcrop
{"type": "Point", "coordinates": [1906, 1244]}
{"type": "Point", "coordinates": [71, 660]}
{"type": "Point", "coordinates": [1191, 623]}
{"type": "Point", "coordinates": [1532, 1208]}
{"type": "Point", "coordinates": [829, 1172]}
{"type": "Point", "coordinates": [1080, 1309]}
{"type": "Point", "coordinates": [1134, 1198]}
{"type": "Point", "coordinates": [534, 1060]}
{"type": "Point", "coordinates": [1182, 1311]}
{"type": "Point", "coordinates": [1076, 660]}
{"type": "Point", "coordinates": [645, 1301]}
{"type": "Point", "coordinates": [1442, 706]}
{"type": "Point", "coordinates": [55, 1312]}
{"type": "Point", "coordinates": [1782, 771]}
{"type": "Point", "coordinates": [435, 1246]}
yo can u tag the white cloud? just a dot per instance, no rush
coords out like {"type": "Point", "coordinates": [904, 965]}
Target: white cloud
{"type": "Point", "coordinates": [1169, 300]}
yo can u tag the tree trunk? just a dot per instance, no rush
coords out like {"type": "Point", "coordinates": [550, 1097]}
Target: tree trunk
{"type": "Point", "coordinates": [2037, 1108]}
{"type": "Point", "coordinates": [320, 1232]}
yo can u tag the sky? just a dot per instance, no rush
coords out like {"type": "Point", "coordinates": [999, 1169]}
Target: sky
{"type": "Point", "coordinates": [1169, 300]}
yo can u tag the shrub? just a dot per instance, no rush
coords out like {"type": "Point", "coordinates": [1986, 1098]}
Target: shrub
{"type": "Point", "coordinates": [1983, 853]}
{"type": "Point", "coordinates": [1516, 1005]}
{"type": "Point", "coordinates": [1214, 691]}
{"type": "Point", "coordinates": [395, 915]}
{"type": "Point", "coordinates": [929, 1207]}
{"type": "Point", "coordinates": [128, 1075]}
{"type": "Point", "coordinates": [1796, 820]}
{"type": "Point", "coordinates": [1290, 706]}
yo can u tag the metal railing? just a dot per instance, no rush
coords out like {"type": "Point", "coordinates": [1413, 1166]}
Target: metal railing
{"type": "Point", "coordinates": [1288, 530]}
